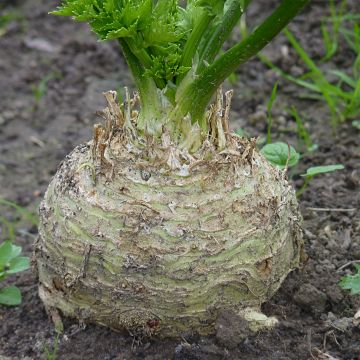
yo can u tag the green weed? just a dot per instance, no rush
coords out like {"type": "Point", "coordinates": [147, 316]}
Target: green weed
{"type": "Point", "coordinates": [269, 113]}
{"type": "Point", "coordinates": [283, 155]}
{"type": "Point", "coordinates": [330, 28]}
{"type": "Point", "coordinates": [51, 354]}
{"type": "Point", "coordinates": [342, 92]}
{"type": "Point", "coordinates": [356, 124]}
{"type": "Point", "coordinates": [10, 260]}
{"type": "Point", "coordinates": [302, 132]}
{"type": "Point", "coordinates": [39, 90]}
{"type": "Point", "coordinates": [7, 17]}
{"type": "Point", "coordinates": [11, 263]}
{"type": "Point", "coordinates": [352, 282]}
{"type": "Point", "coordinates": [8, 228]}
{"type": "Point", "coordinates": [316, 170]}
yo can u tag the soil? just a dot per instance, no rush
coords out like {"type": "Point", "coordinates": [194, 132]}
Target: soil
{"type": "Point", "coordinates": [42, 121]}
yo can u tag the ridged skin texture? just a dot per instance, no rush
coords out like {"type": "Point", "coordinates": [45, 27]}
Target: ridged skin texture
{"type": "Point", "coordinates": [161, 251]}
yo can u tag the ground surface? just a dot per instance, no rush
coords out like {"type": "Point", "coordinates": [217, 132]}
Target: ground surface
{"type": "Point", "coordinates": [35, 135]}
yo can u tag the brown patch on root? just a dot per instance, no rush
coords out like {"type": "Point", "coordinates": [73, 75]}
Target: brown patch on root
{"type": "Point", "coordinates": [265, 268]}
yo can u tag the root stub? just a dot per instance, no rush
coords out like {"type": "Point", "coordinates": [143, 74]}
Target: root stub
{"type": "Point", "coordinates": [165, 252]}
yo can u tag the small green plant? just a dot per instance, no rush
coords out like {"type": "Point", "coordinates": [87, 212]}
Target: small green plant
{"type": "Point", "coordinates": [341, 95]}
{"type": "Point", "coordinates": [40, 89]}
{"type": "Point", "coordinates": [330, 28]}
{"type": "Point", "coordinates": [51, 354]}
{"type": "Point", "coordinates": [10, 260]}
{"type": "Point", "coordinates": [8, 17]}
{"type": "Point", "coordinates": [352, 38]}
{"type": "Point", "coordinates": [302, 132]}
{"type": "Point", "coordinates": [281, 155]}
{"type": "Point", "coordinates": [11, 263]}
{"type": "Point", "coordinates": [316, 170]}
{"type": "Point", "coordinates": [352, 282]}
{"type": "Point", "coordinates": [284, 156]}
{"type": "Point", "coordinates": [342, 98]}
{"type": "Point", "coordinates": [8, 228]}
{"type": "Point", "coordinates": [233, 78]}
{"type": "Point", "coordinates": [269, 113]}
{"type": "Point", "coordinates": [241, 132]}
{"type": "Point", "coordinates": [356, 124]}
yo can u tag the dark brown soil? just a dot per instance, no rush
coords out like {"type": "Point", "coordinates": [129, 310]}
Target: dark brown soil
{"type": "Point", "coordinates": [316, 316]}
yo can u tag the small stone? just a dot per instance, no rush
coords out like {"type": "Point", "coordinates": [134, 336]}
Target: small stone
{"type": "Point", "coordinates": [342, 324]}
{"type": "Point", "coordinates": [357, 315]}
{"type": "Point", "coordinates": [331, 317]}
{"type": "Point", "coordinates": [353, 180]}
{"type": "Point", "coordinates": [284, 51]}
{"type": "Point", "coordinates": [258, 116]}
{"type": "Point", "coordinates": [335, 294]}
{"type": "Point", "coordinates": [145, 175]}
{"type": "Point", "coordinates": [41, 45]}
{"type": "Point", "coordinates": [296, 71]}
{"type": "Point", "coordinates": [37, 193]}
{"type": "Point", "coordinates": [185, 351]}
{"type": "Point", "coordinates": [309, 235]}
{"type": "Point", "coordinates": [8, 115]}
{"type": "Point", "coordinates": [281, 120]}
{"type": "Point", "coordinates": [310, 298]}
{"type": "Point", "coordinates": [21, 104]}
{"type": "Point", "coordinates": [36, 141]}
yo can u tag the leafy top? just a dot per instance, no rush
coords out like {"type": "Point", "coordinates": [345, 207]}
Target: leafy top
{"type": "Point", "coordinates": [176, 47]}
{"type": "Point", "coordinates": [156, 31]}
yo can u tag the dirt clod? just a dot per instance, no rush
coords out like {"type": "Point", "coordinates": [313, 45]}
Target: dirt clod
{"type": "Point", "coordinates": [309, 298]}
{"type": "Point", "coordinates": [231, 329]}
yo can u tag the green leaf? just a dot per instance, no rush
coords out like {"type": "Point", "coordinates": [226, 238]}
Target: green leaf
{"type": "Point", "coordinates": [109, 19]}
{"type": "Point", "coordinates": [18, 264]}
{"type": "Point", "coordinates": [5, 253]}
{"type": "Point", "coordinates": [10, 296]}
{"type": "Point", "coordinates": [8, 251]}
{"type": "Point", "coordinates": [352, 282]}
{"type": "Point", "coordinates": [344, 77]}
{"type": "Point", "coordinates": [315, 170]}
{"type": "Point", "coordinates": [241, 132]}
{"type": "Point", "coordinates": [23, 212]}
{"type": "Point", "coordinates": [269, 108]}
{"type": "Point", "coordinates": [356, 124]}
{"type": "Point", "coordinates": [279, 154]}
{"type": "Point", "coordinates": [118, 33]}
{"type": "Point", "coordinates": [272, 97]}
{"type": "Point", "coordinates": [161, 29]}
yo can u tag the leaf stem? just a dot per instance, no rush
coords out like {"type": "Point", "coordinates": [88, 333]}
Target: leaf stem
{"type": "Point", "coordinates": [193, 41]}
{"type": "Point", "coordinates": [149, 99]}
{"type": "Point", "coordinates": [221, 33]}
{"type": "Point", "coordinates": [202, 88]}
{"type": "Point", "coordinates": [304, 186]}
